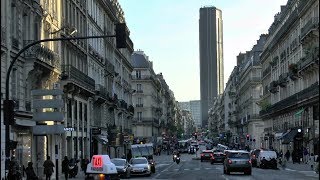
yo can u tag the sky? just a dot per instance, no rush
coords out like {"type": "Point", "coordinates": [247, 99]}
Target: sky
{"type": "Point", "coordinates": [168, 32]}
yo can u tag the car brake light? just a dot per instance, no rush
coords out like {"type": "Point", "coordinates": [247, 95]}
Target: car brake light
{"type": "Point", "coordinates": [202, 154]}
{"type": "Point", "coordinates": [229, 161]}
{"type": "Point", "coordinates": [254, 156]}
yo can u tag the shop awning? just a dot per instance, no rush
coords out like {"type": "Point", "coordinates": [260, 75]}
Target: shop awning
{"type": "Point", "coordinates": [101, 139]}
{"type": "Point", "coordinates": [299, 113]}
{"type": "Point", "coordinates": [288, 137]}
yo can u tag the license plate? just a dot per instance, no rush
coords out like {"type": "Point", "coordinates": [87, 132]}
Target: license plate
{"type": "Point", "coordinates": [240, 162]}
{"type": "Point", "coordinates": [97, 168]}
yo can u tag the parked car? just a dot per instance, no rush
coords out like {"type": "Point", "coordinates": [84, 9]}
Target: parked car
{"type": "Point", "coordinates": [123, 167]}
{"type": "Point", "coordinates": [217, 157]}
{"type": "Point", "coordinates": [237, 161]}
{"type": "Point", "coordinates": [206, 155]}
{"type": "Point", "coordinates": [267, 159]}
{"type": "Point", "coordinates": [140, 166]}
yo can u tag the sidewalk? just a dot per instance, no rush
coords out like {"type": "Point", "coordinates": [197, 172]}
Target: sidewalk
{"type": "Point", "coordinates": [298, 167]}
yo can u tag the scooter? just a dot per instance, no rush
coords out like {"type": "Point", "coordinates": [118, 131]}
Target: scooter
{"type": "Point", "coordinates": [174, 158]}
{"type": "Point", "coordinates": [73, 169]}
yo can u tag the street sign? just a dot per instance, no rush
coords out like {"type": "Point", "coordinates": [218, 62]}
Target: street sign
{"type": "Point", "coordinates": [48, 116]}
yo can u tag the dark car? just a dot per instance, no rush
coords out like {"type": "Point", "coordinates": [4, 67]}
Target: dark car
{"type": "Point", "coordinates": [217, 157]}
{"type": "Point", "coordinates": [254, 155]}
{"type": "Point", "coordinates": [237, 161]}
{"type": "Point", "coordinates": [206, 155]}
{"type": "Point", "coordinates": [122, 166]}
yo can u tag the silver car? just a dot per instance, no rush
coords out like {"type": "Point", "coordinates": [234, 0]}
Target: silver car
{"type": "Point", "coordinates": [237, 161]}
{"type": "Point", "coordinates": [123, 167]}
{"type": "Point", "coordinates": [140, 166]}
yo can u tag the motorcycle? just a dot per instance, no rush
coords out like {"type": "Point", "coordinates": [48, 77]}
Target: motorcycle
{"type": "Point", "coordinates": [73, 169]}
{"type": "Point", "coordinates": [174, 158]}
{"type": "Point", "coordinates": [178, 160]}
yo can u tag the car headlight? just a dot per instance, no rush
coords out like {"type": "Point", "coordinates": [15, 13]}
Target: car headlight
{"type": "Point", "coordinates": [124, 169]}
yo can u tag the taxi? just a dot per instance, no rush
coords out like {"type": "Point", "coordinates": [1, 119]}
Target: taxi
{"type": "Point", "coordinates": [101, 167]}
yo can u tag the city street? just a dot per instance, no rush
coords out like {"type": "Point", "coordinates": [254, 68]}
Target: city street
{"type": "Point", "coordinates": [192, 168]}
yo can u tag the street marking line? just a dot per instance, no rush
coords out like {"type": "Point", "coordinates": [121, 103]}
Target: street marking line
{"type": "Point", "coordinates": [196, 169]}
{"type": "Point", "coordinates": [208, 168]}
{"type": "Point", "coordinates": [186, 169]}
{"type": "Point", "coordinates": [290, 169]}
{"type": "Point", "coordinates": [166, 169]}
{"type": "Point", "coordinates": [225, 177]}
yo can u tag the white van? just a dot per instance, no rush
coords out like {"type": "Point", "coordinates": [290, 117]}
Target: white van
{"type": "Point", "coordinates": [101, 167]}
{"type": "Point", "coordinates": [267, 159]}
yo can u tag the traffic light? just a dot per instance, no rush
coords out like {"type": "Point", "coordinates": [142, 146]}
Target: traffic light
{"type": "Point", "coordinates": [8, 112]}
{"type": "Point", "coordinates": [121, 35]}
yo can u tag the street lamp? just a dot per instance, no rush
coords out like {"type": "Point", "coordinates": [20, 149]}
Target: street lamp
{"type": "Point", "coordinates": [121, 38]}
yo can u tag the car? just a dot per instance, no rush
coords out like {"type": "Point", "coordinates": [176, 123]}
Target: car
{"type": "Point", "coordinates": [123, 167]}
{"type": "Point", "coordinates": [267, 159]}
{"type": "Point", "coordinates": [140, 166]}
{"type": "Point", "coordinates": [101, 167]}
{"type": "Point", "coordinates": [237, 161]}
{"type": "Point", "coordinates": [217, 157]}
{"type": "Point", "coordinates": [206, 155]}
{"type": "Point", "coordinates": [254, 155]}
{"type": "Point", "coordinates": [191, 149]}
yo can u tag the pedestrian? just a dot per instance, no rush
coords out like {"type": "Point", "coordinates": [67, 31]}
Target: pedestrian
{"type": "Point", "coordinates": [31, 175]}
{"type": "Point", "coordinates": [305, 155]}
{"type": "Point", "coordinates": [65, 167]}
{"type": "Point", "coordinates": [48, 168]}
{"type": "Point", "coordinates": [312, 161]}
{"type": "Point", "coordinates": [281, 154]}
{"type": "Point", "coordinates": [287, 155]}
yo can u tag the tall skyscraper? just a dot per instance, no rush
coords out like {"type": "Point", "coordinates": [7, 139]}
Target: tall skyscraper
{"type": "Point", "coordinates": [211, 58]}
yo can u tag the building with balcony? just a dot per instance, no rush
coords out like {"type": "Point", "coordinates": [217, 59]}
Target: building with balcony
{"type": "Point", "coordinates": [188, 124]}
{"type": "Point", "coordinates": [290, 66]}
{"type": "Point", "coordinates": [147, 98]}
{"type": "Point", "coordinates": [248, 94]}
{"type": "Point", "coordinates": [94, 75]}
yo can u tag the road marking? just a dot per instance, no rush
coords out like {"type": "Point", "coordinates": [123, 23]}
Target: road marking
{"type": "Point", "coordinates": [186, 169]}
{"type": "Point", "coordinates": [159, 165]}
{"type": "Point", "coordinates": [225, 177]}
{"type": "Point", "coordinates": [196, 169]}
{"type": "Point", "coordinates": [290, 169]}
{"type": "Point", "coordinates": [208, 168]}
{"type": "Point", "coordinates": [166, 169]}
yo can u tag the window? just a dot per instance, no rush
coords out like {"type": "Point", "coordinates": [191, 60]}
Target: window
{"type": "Point", "coordinates": [140, 101]}
{"type": "Point", "coordinates": [139, 87]}
{"type": "Point", "coordinates": [139, 116]}
{"type": "Point", "coordinates": [138, 74]}
{"type": "Point", "coordinates": [75, 110]}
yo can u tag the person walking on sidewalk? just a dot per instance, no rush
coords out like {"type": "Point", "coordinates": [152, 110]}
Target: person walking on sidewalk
{"type": "Point", "coordinates": [287, 155]}
{"type": "Point", "coordinates": [48, 168]}
{"type": "Point", "coordinates": [305, 155]}
{"type": "Point", "coordinates": [31, 175]}
{"type": "Point", "coordinates": [65, 167]}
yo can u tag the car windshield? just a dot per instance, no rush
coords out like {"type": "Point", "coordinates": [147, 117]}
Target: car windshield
{"type": "Point", "coordinates": [118, 162]}
{"type": "Point", "coordinates": [239, 155]}
{"type": "Point", "coordinates": [139, 161]}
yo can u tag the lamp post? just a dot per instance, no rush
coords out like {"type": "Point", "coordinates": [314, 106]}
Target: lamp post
{"type": "Point", "coordinates": [121, 36]}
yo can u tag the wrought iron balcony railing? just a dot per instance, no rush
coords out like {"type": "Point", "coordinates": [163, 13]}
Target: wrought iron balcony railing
{"type": "Point", "coordinates": [102, 91]}
{"type": "Point", "coordinates": [309, 60]}
{"type": "Point", "coordinates": [307, 93]}
{"type": "Point", "coordinates": [143, 77]}
{"type": "Point", "coordinates": [78, 77]}
{"type": "Point", "coordinates": [312, 24]}
{"type": "Point", "coordinates": [42, 54]}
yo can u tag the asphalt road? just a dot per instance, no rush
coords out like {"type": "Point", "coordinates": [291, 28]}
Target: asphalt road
{"type": "Point", "coordinates": [192, 169]}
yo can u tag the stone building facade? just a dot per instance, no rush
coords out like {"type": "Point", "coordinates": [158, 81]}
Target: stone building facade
{"type": "Point", "coordinates": [94, 75]}
{"type": "Point", "coordinates": [290, 65]}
